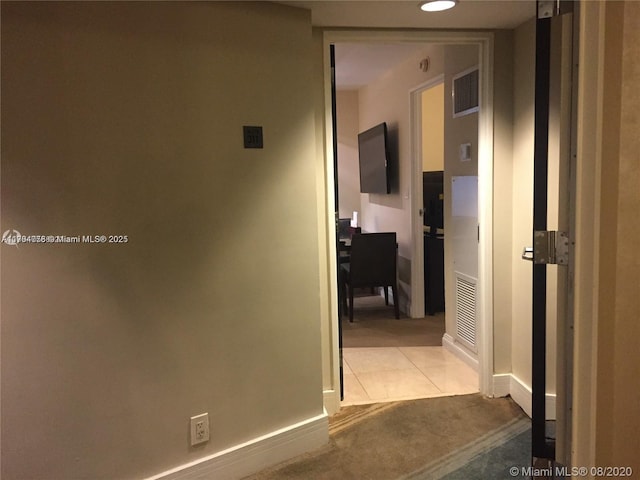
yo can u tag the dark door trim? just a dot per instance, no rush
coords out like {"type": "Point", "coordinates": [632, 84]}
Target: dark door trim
{"type": "Point", "coordinates": [336, 213]}
{"type": "Point", "coordinates": [541, 448]}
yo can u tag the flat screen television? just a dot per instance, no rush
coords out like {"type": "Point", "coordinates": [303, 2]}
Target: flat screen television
{"type": "Point", "coordinates": [373, 153]}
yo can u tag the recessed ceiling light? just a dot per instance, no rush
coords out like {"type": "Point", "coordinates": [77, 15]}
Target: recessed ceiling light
{"type": "Point", "coordinates": [437, 5]}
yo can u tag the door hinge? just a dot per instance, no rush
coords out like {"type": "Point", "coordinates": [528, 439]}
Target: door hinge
{"type": "Point", "coordinates": [550, 247]}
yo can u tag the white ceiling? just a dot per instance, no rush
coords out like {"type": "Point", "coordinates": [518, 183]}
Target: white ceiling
{"type": "Point", "coordinates": [476, 14]}
{"type": "Point", "coordinates": [359, 64]}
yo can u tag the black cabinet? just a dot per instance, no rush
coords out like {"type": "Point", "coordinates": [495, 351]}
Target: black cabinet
{"type": "Point", "coordinates": [433, 273]}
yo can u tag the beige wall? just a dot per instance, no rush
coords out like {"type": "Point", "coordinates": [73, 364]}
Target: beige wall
{"type": "Point", "coordinates": [502, 201]}
{"type": "Point", "coordinates": [458, 130]}
{"type": "Point", "coordinates": [522, 200]}
{"type": "Point", "coordinates": [618, 357]}
{"type": "Point", "coordinates": [433, 129]}
{"type": "Point", "coordinates": [513, 201]}
{"type": "Point", "coordinates": [586, 232]}
{"type": "Point", "coordinates": [348, 163]}
{"type": "Point", "coordinates": [127, 119]}
{"type": "Point", "coordinates": [522, 195]}
{"type": "Point", "coordinates": [326, 233]}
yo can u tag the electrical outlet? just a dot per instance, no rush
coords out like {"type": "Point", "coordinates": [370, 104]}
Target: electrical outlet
{"type": "Point", "coordinates": [200, 429]}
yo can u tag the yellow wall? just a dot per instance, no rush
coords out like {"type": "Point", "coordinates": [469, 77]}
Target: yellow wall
{"type": "Point", "coordinates": [433, 129]}
{"type": "Point", "coordinates": [126, 118]}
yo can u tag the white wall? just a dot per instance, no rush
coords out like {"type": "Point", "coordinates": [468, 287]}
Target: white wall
{"type": "Point", "coordinates": [348, 163]}
{"type": "Point", "coordinates": [127, 119]}
{"type": "Point", "coordinates": [387, 100]}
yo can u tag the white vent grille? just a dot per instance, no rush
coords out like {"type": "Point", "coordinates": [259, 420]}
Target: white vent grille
{"type": "Point", "coordinates": [465, 93]}
{"type": "Point", "coordinates": [466, 310]}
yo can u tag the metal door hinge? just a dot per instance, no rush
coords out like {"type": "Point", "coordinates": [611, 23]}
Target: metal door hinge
{"type": "Point", "coordinates": [550, 247]}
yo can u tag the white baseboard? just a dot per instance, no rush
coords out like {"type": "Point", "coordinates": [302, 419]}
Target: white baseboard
{"type": "Point", "coordinates": [405, 300]}
{"type": "Point", "coordinates": [450, 344]}
{"type": "Point", "coordinates": [331, 401]}
{"type": "Point", "coordinates": [254, 455]}
{"type": "Point", "coordinates": [405, 303]}
{"type": "Point", "coordinates": [521, 394]}
{"type": "Point", "coordinates": [501, 384]}
{"type": "Point", "coordinates": [508, 384]}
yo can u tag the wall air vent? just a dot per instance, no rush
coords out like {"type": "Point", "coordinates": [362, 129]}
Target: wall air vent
{"type": "Point", "coordinates": [466, 310]}
{"type": "Point", "coordinates": [465, 92]}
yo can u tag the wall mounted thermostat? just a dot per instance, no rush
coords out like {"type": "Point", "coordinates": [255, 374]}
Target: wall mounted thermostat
{"type": "Point", "coordinates": [465, 152]}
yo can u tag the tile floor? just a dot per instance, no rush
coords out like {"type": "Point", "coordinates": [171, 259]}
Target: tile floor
{"type": "Point", "coordinates": [384, 374]}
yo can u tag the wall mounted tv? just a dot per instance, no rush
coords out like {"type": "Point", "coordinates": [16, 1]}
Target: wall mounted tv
{"type": "Point", "coordinates": [373, 152]}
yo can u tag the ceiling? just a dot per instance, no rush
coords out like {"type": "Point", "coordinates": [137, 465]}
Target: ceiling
{"type": "Point", "coordinates": [359, 64]}
{"type": "Point", "coordinates": [477, 14]}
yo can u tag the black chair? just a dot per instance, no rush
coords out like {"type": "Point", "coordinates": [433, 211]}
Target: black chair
{"type": "Point", "coordinates": [344, 228]}
{"type": "Point", "coordinates": [345, 232]}
{"type": "Point", "coordinates": [372, 263]}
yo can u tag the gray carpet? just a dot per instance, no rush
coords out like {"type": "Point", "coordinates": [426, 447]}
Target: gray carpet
{"type": "Point", "coordinates": [417, 440]}
{"type": "Point", "coordinates": [497, 462]}
{"type": "Point", "coordinates": [492, 456]}
{"type": "Point", "coordinates": [374, 325]}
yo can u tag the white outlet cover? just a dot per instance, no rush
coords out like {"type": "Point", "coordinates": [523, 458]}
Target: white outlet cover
{"type": "Point", "coordinates": [199, 429]}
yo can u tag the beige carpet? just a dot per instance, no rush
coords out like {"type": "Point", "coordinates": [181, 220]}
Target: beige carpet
{"type": "Point", "coordinates": [401, 440]}
{"type": "Point", "coordinates": [374, 325]}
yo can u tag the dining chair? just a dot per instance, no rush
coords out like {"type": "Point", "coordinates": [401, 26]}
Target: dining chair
{"type": "Point", "coordinates": [372, 263]}
{"type": "Point", "coordinates": [344, 226]}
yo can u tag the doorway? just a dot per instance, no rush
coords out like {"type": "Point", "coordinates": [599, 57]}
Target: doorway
{"type": "Point", "coordinates": [428, 145]}
{"type": "Point", "coordinates": [411, 193]}
{"type": "Point", "coordinates": [505, 369]}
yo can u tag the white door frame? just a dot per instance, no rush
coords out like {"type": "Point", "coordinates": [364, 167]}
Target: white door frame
{"type": "Point", "coordinates": [417, 230]}
{"type": "Point", "coordinates": [484, 41]}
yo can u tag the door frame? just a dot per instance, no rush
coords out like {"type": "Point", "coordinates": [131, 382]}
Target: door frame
{"type": "Point", "coordinates": [485, 43]}
{"type": "Point", "coordinates": [417, 232]}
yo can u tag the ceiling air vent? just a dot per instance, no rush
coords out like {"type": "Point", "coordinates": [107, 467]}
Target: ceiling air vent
{"type": "Point", "coordinates": [465, 92]}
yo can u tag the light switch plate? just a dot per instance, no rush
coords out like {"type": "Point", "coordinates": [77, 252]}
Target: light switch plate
{"type": "Point", "coordinates": [252, 137]}
{"type": "Point", "coordinates": [465, 152]}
